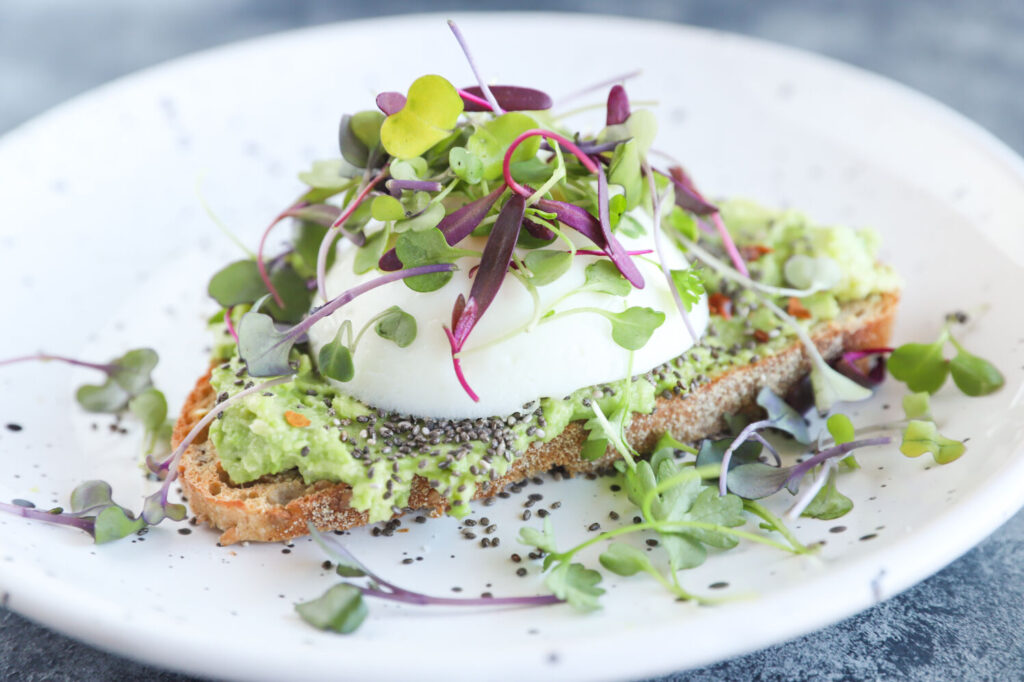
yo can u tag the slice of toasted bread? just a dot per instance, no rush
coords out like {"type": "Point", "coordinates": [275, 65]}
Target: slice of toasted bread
{"type": "Point", "coordinates": [278, 507]}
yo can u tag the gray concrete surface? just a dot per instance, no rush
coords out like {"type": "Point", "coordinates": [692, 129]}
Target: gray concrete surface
{"type": "Point", "coordinates": [967, 622]}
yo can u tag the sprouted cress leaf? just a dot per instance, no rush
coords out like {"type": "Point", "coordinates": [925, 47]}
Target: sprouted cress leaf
{"type": "Point", "coordinates": [577, 585]}
{"type": "Point", "coordinates": [841, 428]}
{"type": "Point", "coordinates": [921, 366]}
{"type": "Point", "coordinates": [396, 325]}
{"type": "Point", "coordinates": [263, 347]}
{"type": "Point", "coordinates": [923, 436]}
{"type": "Point", "coordinates": [386, 207]}
{"type": "Point", "coordinates": [426, 248]}
{"type": "Point", "coordinates": [625, 560]}
{"type": "Point", "coordinates": [633, 327]}
{"type": "Point", "coordinates": [335, 360]}
{"type": "Point", "coordinates": [829, 503]}
{"type": "Point", "coordinates": [690, 286]}
{"type": "Point", "coordinates": [917, 406]}
{"type": "Point", "coordinates": [466, 165]}
{"type": "Point", "coordinates": [429, 115]}
{"type": "Point", "coordinates": [489, 142]}
{"type": "Point", "coordinates": [604, 278]}
{"type": "Point", "coordinates": [973, 375]}
{"type": "Point", "coordinates": [541, 539]}
{"type": "Point", "coordinates": [340, 608]}
{"type": "Point", "coordinates": [107, 397]}
{"type": "Point", "coordinates": [237, 283]}
{"type": "Point", "coordinates": [546, 265]}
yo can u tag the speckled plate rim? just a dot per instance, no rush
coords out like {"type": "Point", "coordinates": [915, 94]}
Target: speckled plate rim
{"type": "Point", "coordinates": [865, 581]}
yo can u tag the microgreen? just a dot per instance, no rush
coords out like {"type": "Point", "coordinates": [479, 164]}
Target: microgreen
{"type": "Point", "coordinates": [340, 608]}
{"type": "Point", "coordinates": [390, 102]}
{"type": "Point", "coordinates": [546, 266]}
{"type": "Point", "coordinates": [828, 503]}
{"type": "Point", "coordinates": [431, 110]}
{"type": "Point", "coordinates": [632, 328]}
{"type": "Point", "coordinates": [917, 405]}
{"type": "Point", "coordinates": [924, 367]}
{"type": "Point", "coordinates": [429, 218]}
{"type": "Point", "coordinates": [429, 247]}
{"type": "Point", "coordinates": [508, 97]}
{"type": "Point", "coordinates": [265, 349]}
{"type": "Point", "coordinates": [923, 436]}
{"type": "Point", "coordinates": [490, 140]}
{"type": "Point", "coordinates": [335, 359]}
{"type": "Point", "coordinates": [359, 137]}
{"type": "Point", "coordinates": [384, 207]}
{"type": "Point", "coordinates": [466, 165]}
{"type": "Point", "coordinates": [237, 283]}
{"type": "Point", "coordinates": [617, 106]}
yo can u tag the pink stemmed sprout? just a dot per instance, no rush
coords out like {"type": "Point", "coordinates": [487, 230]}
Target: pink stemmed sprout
{"type": "Point", "coordinates": [229, 324]}
{"type": "Point", "coordinates": [470, 97]}
{"type": "Point", "coordinates": [592, 252]}
{"type": "Point", "coordinates": [565, 142]}
{"type": "Point", "coordinates": [495, 107]}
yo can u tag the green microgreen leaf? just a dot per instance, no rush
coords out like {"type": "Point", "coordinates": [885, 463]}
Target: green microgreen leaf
{"type": "Point", "coordinates": [974, 375]}
{"type": "Point", "coordinates": [326, 175]}
{"type": "Point", "coordinates": [466, 165]}
{"type": "Point", "coordinates": [150, 408]}
{"type": "Point", "coordinates": [829, 503]}
{"type": "Point", "coordinates": [385, 207]}
{"type": "Point", "coordinates": [782, 416]}
{"type": "Point", "coordinates": [489, 142]}
{"type": "Point", "coordinates": [89, 496]}
{"type": "Point", "coordinates": [237, 283]}
{"type": "Point", "coordinates": [683, 222]}
{"type": "Point", "coordinates": [335, 360]}
{"type": "Point", "coordinates": [431, 215]}
{"type": "Point", "coordinates": [341, 609]}
{"type": "Point", "coordinates": [426, 248]}
{"type": "Point", "coordinates": [841, 428]}
{"type": "Point", "coordinates": [917, 406]}
{"type": "Point", "coordinates": [923, 436]}
{"type": "Point", "coordinates": [625, 172]}
{"type": "Point", "coordinates": [431, 110]}
{"type": "Point", "coordinates": [306, 240]}
{"type": "Point", "coordinates": [359, 136]}
{"type": "Point", "coordinates": [114, 523]}
{"type": "Point", "coordinates": [633, 327]}
{"type": "Point", "coordinates": [541, 539]}
{"type": "Point", "coordinates": [547, 265]}
{"type": "Point", "coordinates": [263, 347]}
{"type": "Point", "coordinates": [690, 286]}
{"type": "Point", "coordinates": [577, 585]}
{"type": "Point", "coordinates": [625, 560]}
{"type": "Point", "coordinates": [368, 256]}
{"type": "Point", "coordinates": [132, 370]}
{"type": "Point", "coordinates": [396, 325]}
{"type": "Point", "coordinates": [105, 398]}
{"type": "Point", "coordinates": [921, 366]}
{"type": "Point", "coordinates": [831, 387]}
{"type": "Point", "coordinates": [604, 278]}
{"type": "Point", "coordinates": [409, 169]}
{"type": "Point", "coordinates": [296, 296]}
{"type": "Point", "coordinates": [631, 227]}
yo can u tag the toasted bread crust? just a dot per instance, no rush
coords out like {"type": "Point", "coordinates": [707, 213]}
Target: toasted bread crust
{"type": "Point", "coordinates": [279, 506]}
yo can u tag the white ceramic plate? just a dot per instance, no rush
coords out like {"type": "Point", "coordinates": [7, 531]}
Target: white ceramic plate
{"type": "Point", "coordinates": [105, 246]}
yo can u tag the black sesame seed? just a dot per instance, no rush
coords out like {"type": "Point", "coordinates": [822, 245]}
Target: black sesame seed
{"type": "Point", "coordinates": [327, 565]}
{"type": "Point", "coordinates": [594, 526]}
{"type": "Point", "coordinates": [614, 516]}
{"type": "Point", "coordinates": [184, 531]}
{"type": "Point", "coordinates": [469, 522]}
{"type": "Point", "coordinates": [637, 519]}
{"type": "Point", "coordinates": [651, 542]}
{"type": "Point", "coordinates": [421, 519]}
{"type": "Point", "coordinates": [543, 513]}
{"type": "Point", "coordinates": [516, 558]}
{"type": "Point", "coordinates": [407, 561]}
{"type": "Point", "coordinates": [521, 572]}
{"type": "Point", "coordinates": [526, 515]}
{"type": "Point", "coordinates": [469, 535]}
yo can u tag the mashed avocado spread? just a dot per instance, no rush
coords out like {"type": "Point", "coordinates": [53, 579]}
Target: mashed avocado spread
{"type": "Point", "coordinates": [308, 425]}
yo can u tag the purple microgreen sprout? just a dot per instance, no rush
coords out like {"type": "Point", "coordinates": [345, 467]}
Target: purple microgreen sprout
{"type": "Point", "coordinates": [656, 202]}
{"type": "Point", "coordinates": [260, 264]}
{"type": "Point", "coordinates": [395, 187]}
{"type": "Point", "coordinates": [592, 147]}
{"type": "Point", "coordinates": [332, 232]}
{"type": "Point", "coordinates": [380, 588]}
{"type": "Point", "coordinates": [455, 226]}
{"type": "Point", "coordinates": [618, 106]}
{"type": "Point", "coordinates": [495, 107]}
{"type": "Point", "coordinates": [509, 97]}
{"type": "Point", "coordinates": [494, 265]}
{"type": "Point", "coordinates": [876, 374]}
{"type": "Point", "coordinates": [265, 349]}
{"type": "Point", "coordinates": [614, 248]}
{"type": "Point", "coordinates": [692, 200]}
{"type": "Point", "coordinates": [390, 102]}
{"type": "Point", "coordinates": [229, 324]}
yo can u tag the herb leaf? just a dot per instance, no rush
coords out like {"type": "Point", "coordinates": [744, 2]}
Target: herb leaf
{"type": "Point", "coordinates": [829, 503]}
{"type": "Point", "coordinates": [341, 608]}
{"type": "Point", "coordinates": [105, 398]}
{"type": "Point", "coordinates": [426, 248]}
{"type": "Point", "coordinates": [489, 142]}
{"type": "Point", "coordinates": [920, 365]}
{"type": "Point", "coordinates": [429, 115]}
{"type": "Point", "coordinates": [547, 265]}
{"type": "Point", "coordinates": [396, 325]}
{"type": "Point", "coordinates": [541, 539]}
{"type": "Point", "coordinates": [263, 347]}
{"type": "Point", "coordinates": [690, 286]}
{"type": "Point", "coordinates": [603, 277]}
{"type": "Point", "coordinates": [466, 165]}
{"type": "Point", "coordinates": [974, 375]}
{"type": "Point", "coordinates": [923, 436]}
{"type": "Point", "coordinates": [917, 406]}
{"type": "Point", "coordinates": [237, 283]}
{"type": "Point", "coordinates": [633, 327]}
{"type": "Point", "coordinates": [335, 360]}
{"type": "Point", "coordinates": [577, 585]}
{"type": "Point", "coordinates": [625, 560]}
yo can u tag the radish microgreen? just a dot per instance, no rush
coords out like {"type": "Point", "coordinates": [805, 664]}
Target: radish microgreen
{"type": "Point", "coordinates": [924, 367]}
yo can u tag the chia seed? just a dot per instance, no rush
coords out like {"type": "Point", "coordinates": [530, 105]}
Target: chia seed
{"type": "Point", "coordinates": [521, 572]}
{"type": "Point", "coordinates": [594, 526]}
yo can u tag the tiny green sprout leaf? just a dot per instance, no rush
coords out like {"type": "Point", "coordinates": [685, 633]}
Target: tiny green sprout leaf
{"type": "Point", "coordinates": [326, 175]}
{"type": "Point", "coordinates": [396, 325]}
{"type": "Point", "coordinates": [114, 523]}
{"type": "Point", "coordinates": [428, 219]}
{"type": "Point", "coordinates": [107, 397]}
{"type": "Point", "coordinates": [690, 286]}
{"type": "Point", "coordinates": [359, 135]}
{"type": "Point", "coordinates": [920, 366]}
{"type": "Point", "coordinates": [923, 436]}
{"type": "Point", "coordinates": [782, 416]}
{"type": "Point", "coordinates": [616, 207]}
{"type": "Point", "coordinates": [132, 370]}
{"type": "Point", "coordinates": [335, 360]}
{"type": "Point", "coordinates": [293, 291]}
{"type": "Point", "coordinates": [237, 283]}
{"type": "Point", "coordinates": [365, 125]}
{"type": "Point", "coordinates": [349, 570]}
{"type": "Point", "coordinates": [426, 248]}
{"type": "Point", "coordinates": [490, 141]}
{"type": "Point", "coordinates": [341, 608]}
{"type": "Point", "coordinates": [841, 428]}
{"type": "Point", "coordinates": [386, 208]}
{"type": "Point", "coordinates": [368, 255]}
{"type": "Point", "coordinates": [642, 125]}
{"type": "Point", "coordinates": [604, 278]}
{"type": "Point", "coordinates": [831, 387]}
{"type": "Point", "coordinates": [805, 272]}
{"type": "Point", "coordinates": [409, 169]}
{"type": "Point", "coordinates": [682, 222]}
{"type": "Point", "coordinates": [917, 406]}
{"type": "Point", "coordinates": [974, 375]}
{"type": "Point", "coordinates": [625, 560]}
{"type": "Point", "coordinates": [713, 451]}
{"type": "Point", "coordinates": [577, 585]}
{"type": "Point", "coordinates": [262, 347]}
{"type": "Point", "coordinates": [466, 165]}
{"type": "Point", "coordinates": [633, 327]}
{"type": "Point", "coordinates": [625, 172]}
{"type": "Point", "coordinates": [547, 265]}
{"type": "Point", "coordinates": [89, 496]}
{"type": "Point", "coordinates": [150, 408]}
{"type": "Point", "coordinates": [544, 540]}
{"type": "Point", "coordinates": [429, 115]}
{"type": "Point", "coordinates": [829, 503]}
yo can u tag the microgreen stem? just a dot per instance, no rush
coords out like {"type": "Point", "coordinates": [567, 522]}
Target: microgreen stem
{"type": "Point", "coordinates": [615, 437]}
{"type": "Point", "coordinates": [777, 524]}
{"type": "Point", "coordinates": [592, 252]}
{"type": "Point", "coordinates": [333, 230]}
{"type": "Point", "coordinates": [260, 265]}
{"type": "Point", "coordinates": [738, 441]}
{"type": "Point", "coordinates": [457, 366]}
{"type": "Point", "coordinates": [556, 176]}
{"type": "Point", "coordinates": [730, 274]}
{"type": "Point", "coordinates": [229, 324]}
{"type": "Point", "coordinates": [730, 245]}
{"type": "Point", "coordinates": [88, 525]}
{"type": "Point", "coordinates": [45, 357]}
{"type": "Point", "coordinates": [587, 162]}
{"type": "Point", "coordinates": [807, 496]}
{"type": "Point", "coordinates": [470, 97]}
{"type": "Point", "coordinates": [495, 107]}
{"type": "Point", "coordinates": [656, 202]}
